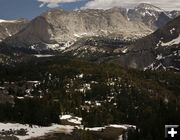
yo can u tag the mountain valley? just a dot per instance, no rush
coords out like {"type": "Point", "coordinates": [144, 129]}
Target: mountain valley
{"type": "Point", "coordinates": [90, 74]}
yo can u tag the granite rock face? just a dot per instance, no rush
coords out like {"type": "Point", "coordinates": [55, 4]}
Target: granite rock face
{"type": "Point", "coordinates": [59, 27]}
{"type": "Point", "coordinates": [160, 50]}
{"type": "Point", "coordinates": [9, 28]}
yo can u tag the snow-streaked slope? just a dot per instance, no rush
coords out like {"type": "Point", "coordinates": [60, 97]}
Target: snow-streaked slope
{"type": "Point", "coordinates": [160, 50]}
{"type": "Point", "coordinates": [57, 29]}
{"type": "Point", "coordinates": [175, 41]}
{"type": "Point", "coordinates": [8, 21]}
{"type": "Point", "coordinates": [149, 7]}
{"type": "Point", "coordinates": [10, 27]}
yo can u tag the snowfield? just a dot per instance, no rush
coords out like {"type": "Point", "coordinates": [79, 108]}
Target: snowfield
{"type": "Point", "coordinates": [8, 21]}
{"type": "Point", "coordinates": [124, 126]}
{"type": "Point", "coordinates": [43, 55]}
{"type": "Point", "coordinates": [175, 41]}
{"type": "Point", "coordinates": [34, 130]}
{"type": "Point", "coordinates": [72, 119]}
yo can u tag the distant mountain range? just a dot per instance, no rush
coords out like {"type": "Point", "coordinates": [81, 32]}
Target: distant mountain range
{"type": "Point", "coordinates": [160, 50]}
{"type": "Point", "coordinates": [56, 28]}
{"type": "Point", "coordinates": [11, 27]}
{"type": "Point", "coordinates": [115, 35]}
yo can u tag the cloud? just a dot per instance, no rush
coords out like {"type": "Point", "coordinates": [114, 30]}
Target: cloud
{"type": "Point", "coordinates": [105, 4]}
{"type": "Point", "coordinates": [54, 3]}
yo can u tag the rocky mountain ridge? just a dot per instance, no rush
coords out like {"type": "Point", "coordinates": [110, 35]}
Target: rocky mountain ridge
{"type": "Point", "coordinates": [58, 29]}
{"type": "Point", "coordinates": [105, 36]}
{"type": "Point", "coordinates": [160, 50]}
{"type": "Point", "coordinates": [11, 27]}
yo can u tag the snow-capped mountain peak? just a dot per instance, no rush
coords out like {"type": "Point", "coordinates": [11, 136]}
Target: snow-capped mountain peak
{"type": "Point", "coordinates": [11, 27]}
{"type": "Point", "coordinates": [8, 21]}
{"type": "Point", "coordinates": [147, 6]}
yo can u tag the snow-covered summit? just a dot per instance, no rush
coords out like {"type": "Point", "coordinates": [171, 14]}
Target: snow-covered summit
{"type": "Point", "coordinates": [148, 6]}
{"type": "Point", "coordinates": [11, 27]}
{"type": "Point", "coordinates": [8, 21]}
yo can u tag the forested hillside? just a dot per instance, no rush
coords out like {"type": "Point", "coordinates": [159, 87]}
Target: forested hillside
{"type": "Point", "coordinates": [39, 90]}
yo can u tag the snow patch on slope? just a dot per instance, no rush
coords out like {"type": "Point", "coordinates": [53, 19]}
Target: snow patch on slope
{"type": "Point", "coordinates": [8, 21]}
{"type": "Point", "coordinates": [43, 55]}
{"type": "Point", "coordinates": [159, 57]}
{"type": "Point", "coordinates": [124, 126]}
{"type": "Point", "coordinates": [175, 41]}
{"type": "Point", "coordinates": [172, 30]}
{"type": "Point", "coordinates": [9, 34]}
{"type": "Point", "coordinates": [71, 119]}
{"type": "Point", "coordinates": [35, 131]}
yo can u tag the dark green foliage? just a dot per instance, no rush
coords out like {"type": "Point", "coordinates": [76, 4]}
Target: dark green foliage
{"type": "Point", "coordinates": [148, 99]}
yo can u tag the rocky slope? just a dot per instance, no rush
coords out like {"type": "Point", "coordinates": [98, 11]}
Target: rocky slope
{"type": "Point", "coordinates": [158, 50]}
{"type": "Point", "coordinates": [106, 36]}
{"type": "Point", "coordinates": [58, 29]}
{"type": "Point", "coordinates": [11, 27]}
{"type": "Point", "coordinates": [152, 16]}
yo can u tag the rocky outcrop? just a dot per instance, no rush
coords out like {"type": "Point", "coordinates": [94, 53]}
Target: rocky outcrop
{"type": "Point", "coordinates": [11, 27]}
{"type": "Point", "coordinates": [160, 50]}
{"type": "Point", "coordinates": [56, 28]}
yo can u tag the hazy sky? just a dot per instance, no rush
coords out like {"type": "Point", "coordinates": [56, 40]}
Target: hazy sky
{"type": "Point", "coordinates": [11, 9]}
